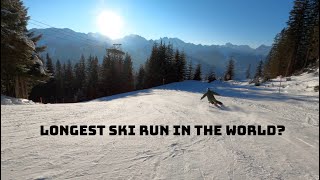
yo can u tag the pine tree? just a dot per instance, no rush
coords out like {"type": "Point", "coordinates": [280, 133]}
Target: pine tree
{"type": "Point", "coordinates": [20, 63]}
{"type": "Point", "coordinates": [37, 70]}
{"type": "Point", "coordinates": [248, 72]}
{"type": "Point", "coordinates": [197, 74]}
{"type": "Point", "coordinates": [117, 71]}
{"type": "Point", "coordinates": [59, 81]}
{"type": "Point", "coordinates": [80, 78]}
{"type": "Point", "coordinates": [180, 59]}
{"type": "Point", "coordinates": [154, 76]}
{"type": "Point", "coordinates": [128, 74]}
{"type": "Point", "coordinates": [35, 39]}
{"type": "Point", "coordinates": [189, 71]}
{"type": "Point", "coordinates": [49, 64]}
{"type": "Point", "coordinates": [266, 70]}
{"type": "Point", "coordinates": [211, 76]}
{"type": "Point", "coordinates": [82, 70]}
{"type": "Point", "coordinates": [112, 72]}
{"type": "Point", "coordinates": [141, 78]}
{"type": "Point", "coordinates": [163, 64]}
{"type": "Point", "coordinates": [229, 74]}
{"type": "Point", "coordinates": [91, 73]}
{"type": "Point", "coordinates": [13, 27]}
{"type": "Point", "coordinates": [278, 57]}
{"type": "Point", "coordinates": [106, 76]}
{"type": "Point", "coordinates": [171, 65]}
{"type": "Point", "coordinates": [92, 77]}
{"type": "Point", "coordinates": [295, 31]}
{"type": "Point", "coordinates": [259, 70]}
{"type": "Point", "coordinates": [69, 82]}
{"type": "Point", "coordinates": [313, 32]}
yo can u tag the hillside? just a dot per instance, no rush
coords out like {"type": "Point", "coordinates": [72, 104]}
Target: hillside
{"type": "Point", "coordinates": [64, 44]}
{"type": "Point", "coordinates": [293, 155]}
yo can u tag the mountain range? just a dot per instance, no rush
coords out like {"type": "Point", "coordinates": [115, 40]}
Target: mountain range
{"type": "Point", "coordinates": [66, 44]}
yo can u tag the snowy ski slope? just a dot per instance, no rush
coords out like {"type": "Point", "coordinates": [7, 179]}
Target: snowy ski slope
{"type": "Point", "coordinates": [294, 155]}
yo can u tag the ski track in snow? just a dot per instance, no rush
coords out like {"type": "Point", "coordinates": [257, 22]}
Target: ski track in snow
{"type": "Point", "coordinates": [294, 155]}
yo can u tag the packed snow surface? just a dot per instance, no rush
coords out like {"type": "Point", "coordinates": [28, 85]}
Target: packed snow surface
{"type": "Point", "coordinates": [293, 155]}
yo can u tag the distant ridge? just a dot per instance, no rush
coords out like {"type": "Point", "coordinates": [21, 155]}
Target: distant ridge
{"type": "Point", "coordinates": [64, 44]}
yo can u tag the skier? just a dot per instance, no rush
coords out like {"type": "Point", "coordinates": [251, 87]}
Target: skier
{"type": "Point", "coordinates": [210, 95]}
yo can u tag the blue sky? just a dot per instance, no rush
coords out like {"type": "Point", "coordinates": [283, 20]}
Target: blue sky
{"type": "Point", "coordinates": [251, 22]}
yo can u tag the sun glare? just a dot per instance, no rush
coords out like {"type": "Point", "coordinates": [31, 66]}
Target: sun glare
{"type": "Point", "coordinates": [110, 24]}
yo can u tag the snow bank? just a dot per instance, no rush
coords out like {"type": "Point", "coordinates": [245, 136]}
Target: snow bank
{"type": "Point", "coordinates": [303, 84]}
{"type": "Point", "coordinates": [6, 100]}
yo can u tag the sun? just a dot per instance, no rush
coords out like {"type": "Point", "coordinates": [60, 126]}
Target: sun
{"type": "Point", "coordinates": [110, 24]}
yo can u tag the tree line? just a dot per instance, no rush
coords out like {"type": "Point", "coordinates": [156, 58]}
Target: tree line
{"type": "Point", "coordinates": [165, 65]}
{"type": "Point", "coordinates": [87, 79]}
{"type": "Point", "coordinates": [297, 45]}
